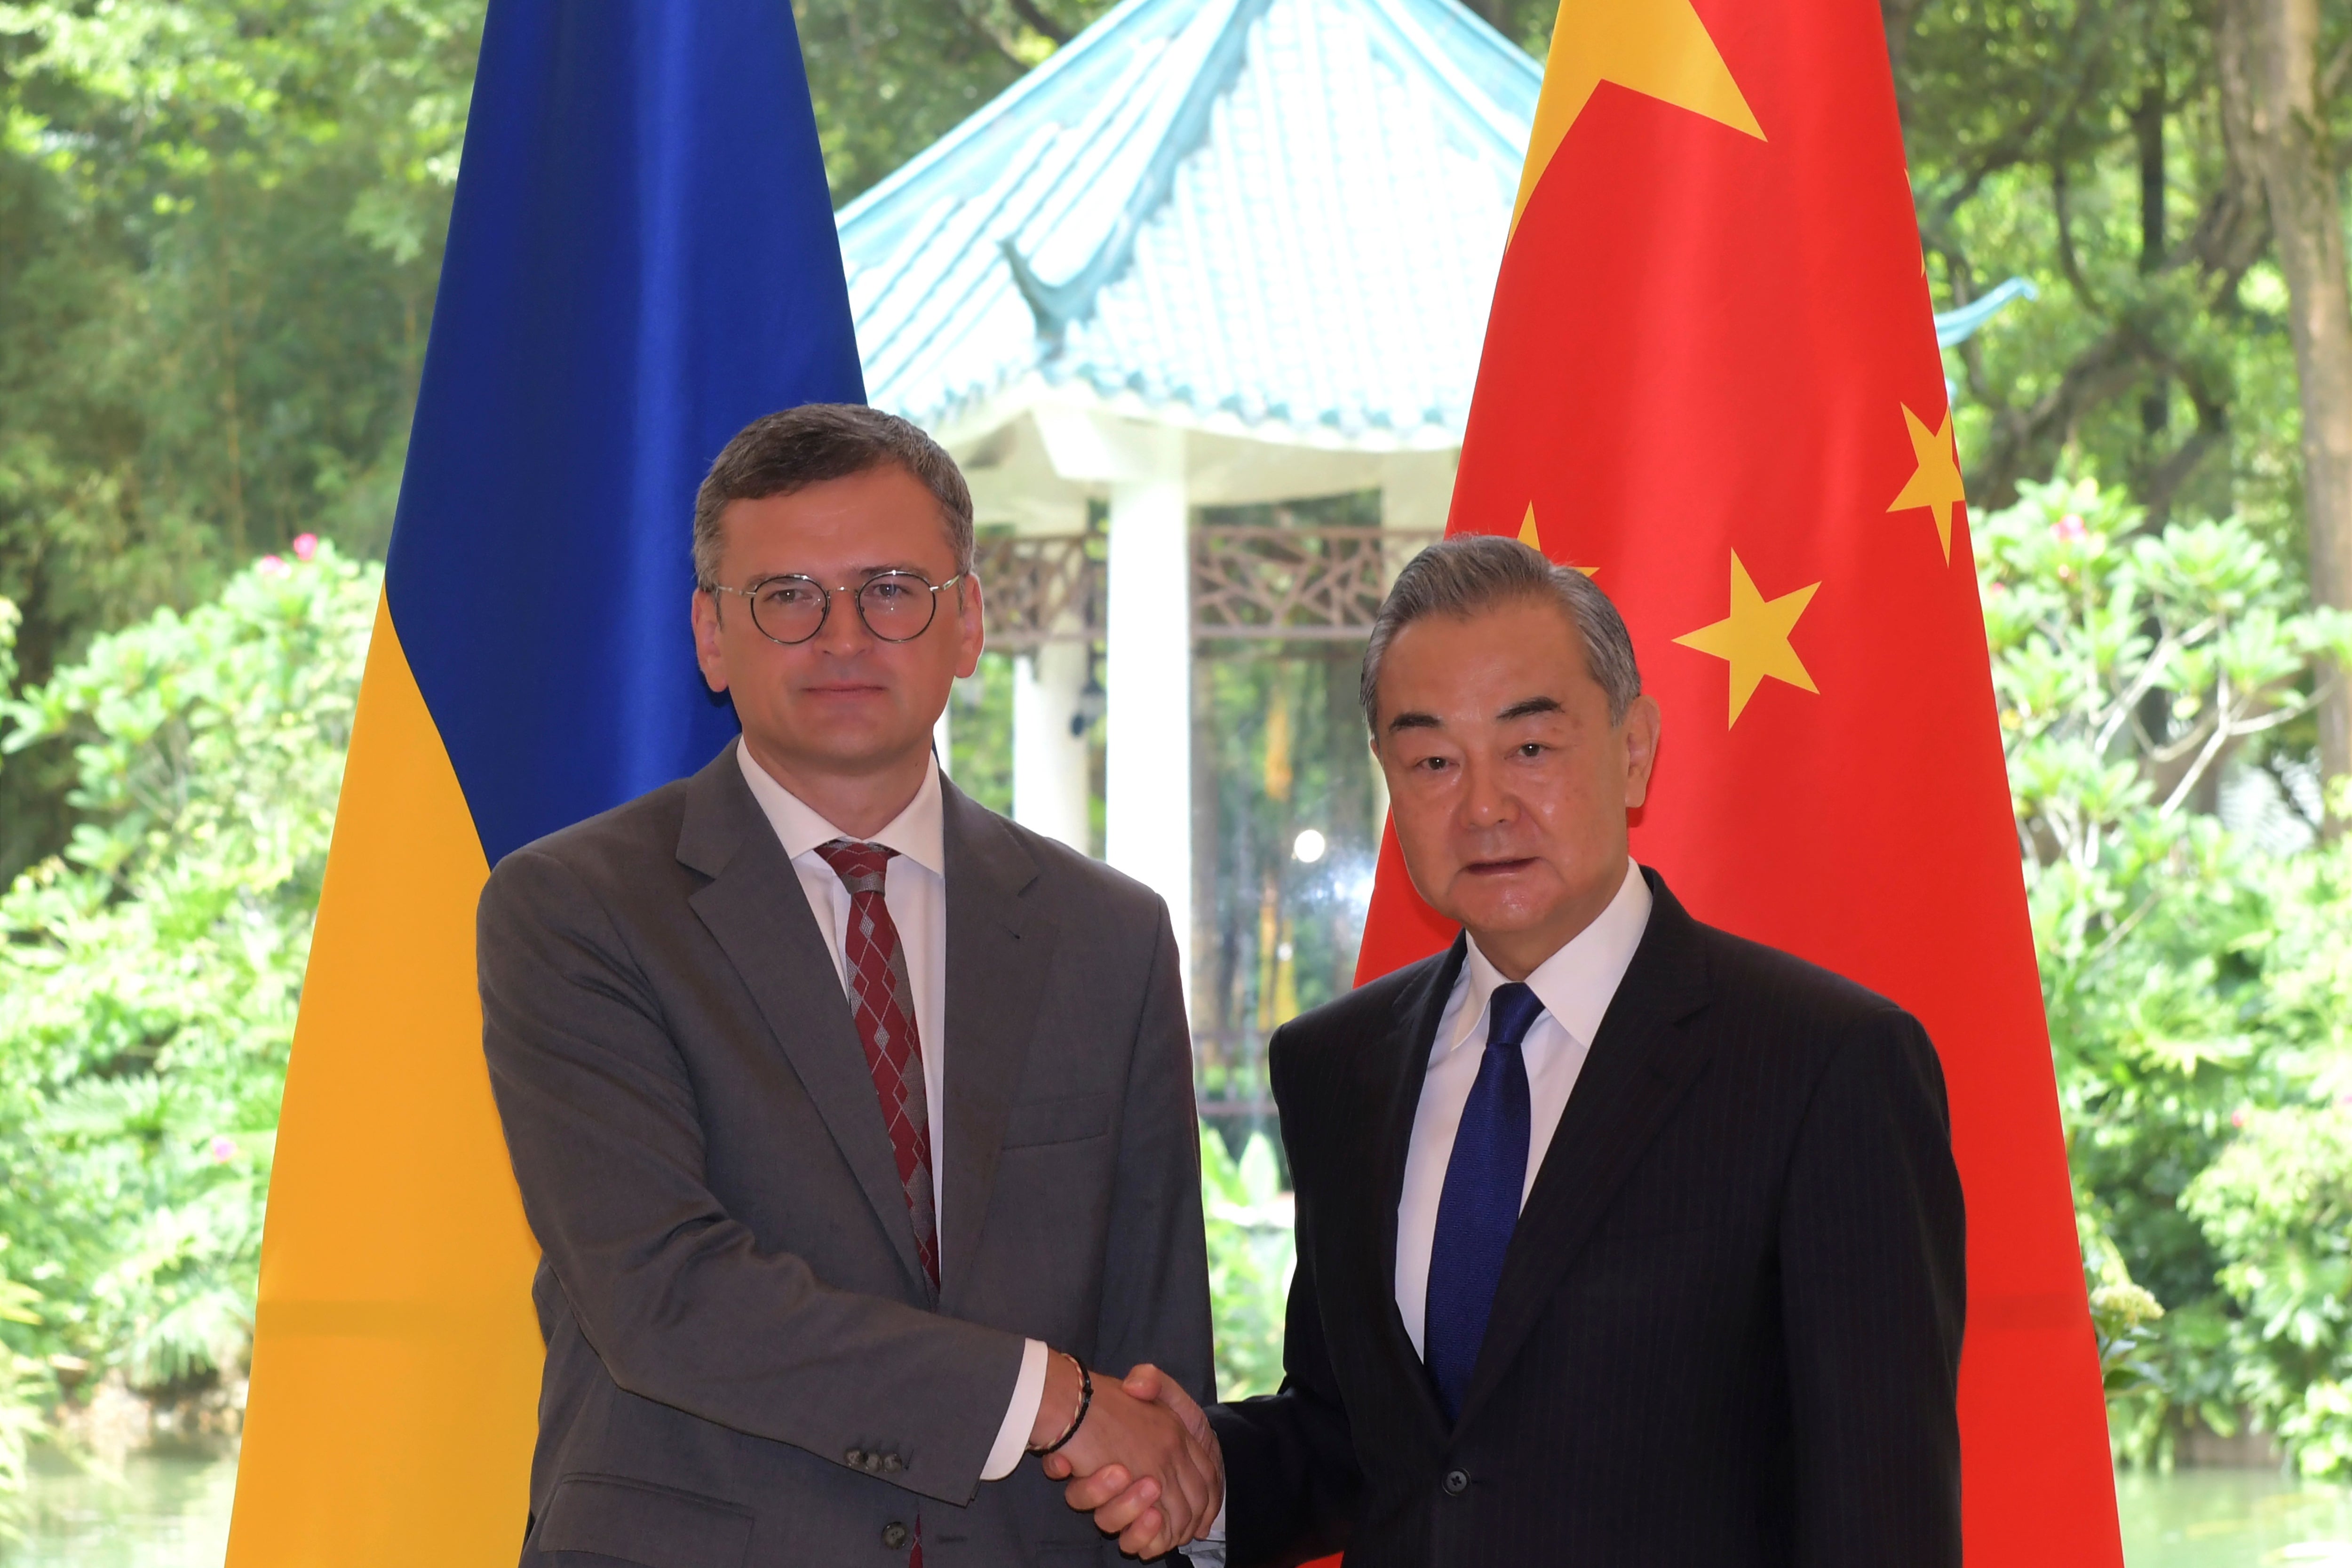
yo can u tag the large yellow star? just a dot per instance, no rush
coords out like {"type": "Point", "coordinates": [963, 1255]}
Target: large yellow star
{"type": "Point", "coordinates": [1658, 48]}
{"type": "Point", "coordinates": [1937, 480]}
{"type": "Point", "coordinates": [1754, 638]}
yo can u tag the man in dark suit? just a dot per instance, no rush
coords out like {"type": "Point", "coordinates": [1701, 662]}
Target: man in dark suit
{"type": "Point", "coordinates": [856, 1123]}
{"type": "Point", "coordinates": [1621, 1240]}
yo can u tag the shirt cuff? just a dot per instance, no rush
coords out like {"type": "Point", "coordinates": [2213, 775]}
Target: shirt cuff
{"type": "Point", "coordinates": [1020, 1416]}
{"type": "Point", "coordinates": [1209, 1551]}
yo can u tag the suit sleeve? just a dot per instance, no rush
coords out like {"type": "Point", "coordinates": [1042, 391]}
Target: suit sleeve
{"type": "Point", "coordinates": [1291, 1477]}
{"type": "Point", "coordinates": [1873, 1292]}
{"type": "Point", "coordinates": [1155, 1304]}
{"type": "Point", "coordinates": [674, 1295]}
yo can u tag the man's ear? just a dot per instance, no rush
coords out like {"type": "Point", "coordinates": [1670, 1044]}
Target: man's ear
{"type": "Point", "coordinates": [710, 652]}
{"type": "Point", "coordinates": [972, 616]}
{"type": "Point", "coordinates": [1639, 727]}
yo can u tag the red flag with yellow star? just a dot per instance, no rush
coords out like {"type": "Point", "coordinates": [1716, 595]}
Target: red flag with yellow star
{"type": "Point", "coordinates": [1711, 379]}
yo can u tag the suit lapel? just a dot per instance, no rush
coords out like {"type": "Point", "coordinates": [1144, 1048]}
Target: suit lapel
{"type": "Point", "coordinates": [754, 908]}
{"type": "Point", "coordinates": [999, 952]}
{"type": "Point", "coordinates": [1638, 1069]}
{"type": "Point", "coordinates": [1402, 1065]}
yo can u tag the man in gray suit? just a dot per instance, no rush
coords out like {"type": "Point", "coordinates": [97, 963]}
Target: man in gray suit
{"type": "Point", "coordinates": [856, 1123]}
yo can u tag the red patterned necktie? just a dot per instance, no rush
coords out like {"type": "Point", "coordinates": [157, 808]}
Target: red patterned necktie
{"type": "Point", "coordinates": [883, 999]}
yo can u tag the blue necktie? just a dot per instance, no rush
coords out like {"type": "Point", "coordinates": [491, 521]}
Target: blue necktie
{"type": "Point", "coordinates": [1480, 1204]}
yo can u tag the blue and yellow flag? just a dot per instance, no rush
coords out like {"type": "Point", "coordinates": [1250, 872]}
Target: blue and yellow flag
{"type": "Point", "coordinates": [642, 259]}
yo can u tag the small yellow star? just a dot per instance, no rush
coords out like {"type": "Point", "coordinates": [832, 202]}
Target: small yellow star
{"type": "Point", "coordinates": [1754, 638]}
{"type": "Point", "coordinates": [1533, 540]}
{"type": "Point", "coordinates": [1936, 482]}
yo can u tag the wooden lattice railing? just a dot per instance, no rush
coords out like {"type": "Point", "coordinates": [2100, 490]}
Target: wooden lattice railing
{"type": "Point", "coordinates": [1248, 582]}
{"type": "Point", "coordinates": [1294, 583]}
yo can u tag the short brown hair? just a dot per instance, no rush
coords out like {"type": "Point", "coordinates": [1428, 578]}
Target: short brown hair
{"type": "Point", "coordinates": [796, 447]}
{"type": "Point", "coordinates": [1473, 572]}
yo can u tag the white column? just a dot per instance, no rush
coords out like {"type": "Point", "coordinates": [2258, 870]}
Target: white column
{"type": "Point", "coordinates": [1050, 781]}
{"type": "Point", "coordinates": [1148, 760]}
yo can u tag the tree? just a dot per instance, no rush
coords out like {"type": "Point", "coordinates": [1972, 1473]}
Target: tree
{"type": "Point", "coordinates": [2277, 99]}
{"type": "Point", "coordinates": [891, 77]}
{"type": "Point", "coordinates": [2058, 139]}
{"type": "Point", "coordinates": [220, 232]}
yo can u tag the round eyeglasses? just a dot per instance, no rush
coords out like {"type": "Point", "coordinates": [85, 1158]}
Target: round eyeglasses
{"type": "Point", "coordinates": [897, 606]}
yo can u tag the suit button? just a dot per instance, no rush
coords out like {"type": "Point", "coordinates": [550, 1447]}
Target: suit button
{"type": "Point", "coordinates": [892, 1464]}
{"type": "Point", "coordinates": [894, 1535]}
{"type": "Point", "coordinates": [854, 1458]}
{"type": "Point", "coordinates": [1456, 1482]}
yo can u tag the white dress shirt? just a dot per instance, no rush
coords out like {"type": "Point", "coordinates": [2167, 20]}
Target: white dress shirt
{"type": "Point", "coordinates": [915, 891]}
{"type": "Point", "coordinates": [1575, 986]}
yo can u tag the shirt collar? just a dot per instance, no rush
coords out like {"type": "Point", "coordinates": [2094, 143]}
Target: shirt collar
{"type": "Point", "coordinates": [1576, 984]}
{"type": "Point", "coordinates": [917, 832]}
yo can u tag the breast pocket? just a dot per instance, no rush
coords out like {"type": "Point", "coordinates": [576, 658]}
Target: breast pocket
{"type": "Point", "coordinates": [635, 1521]}
{"type": "Point", "coordinates": [1070, 1119]}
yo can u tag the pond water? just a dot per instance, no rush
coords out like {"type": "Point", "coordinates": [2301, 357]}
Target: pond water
{"type": "Point", "coordinates": [2232, 1519]}
{"type": "Point", "coordinates": [171, 1510]}
{"type": "Point", "coordinates": [164, 1511]}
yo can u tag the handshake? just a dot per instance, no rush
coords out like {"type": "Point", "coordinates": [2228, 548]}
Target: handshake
{"type": "Point", "coordinates": [1139, 1455]}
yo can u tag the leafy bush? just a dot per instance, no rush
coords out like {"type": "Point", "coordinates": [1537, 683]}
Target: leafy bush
{"type": "Point", "coordinates": [1252, 1246]}
{"type": "Point", "coordinates": [2196, 986]}
{"type": "Point", "coordinates": [149, 975]}
{"type": "Point", "coordinates": [22, 1383]}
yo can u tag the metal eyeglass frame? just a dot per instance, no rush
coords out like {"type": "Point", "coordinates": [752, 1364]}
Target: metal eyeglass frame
{"type": "Point", "coordinates": [857, 593]}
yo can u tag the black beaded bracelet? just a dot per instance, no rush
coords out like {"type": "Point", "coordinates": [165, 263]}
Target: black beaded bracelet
{"type": "Point", "coordinates": [1085, 1399]}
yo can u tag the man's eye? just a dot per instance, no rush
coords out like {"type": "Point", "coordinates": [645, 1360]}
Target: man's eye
{"type": "Point", "coordinates": [788, 595]}
{"type": "Point", "coordinates": [890, 592]}
{"type": "Point", "coordinates": [1533, 749]}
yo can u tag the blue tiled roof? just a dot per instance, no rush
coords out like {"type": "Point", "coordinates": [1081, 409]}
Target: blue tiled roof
{"type": "Point", "coordinates": [1272, 215]}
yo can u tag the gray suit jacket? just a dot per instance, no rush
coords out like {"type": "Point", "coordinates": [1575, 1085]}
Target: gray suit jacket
{"type": "Point", "coordinates": [742, 1367]}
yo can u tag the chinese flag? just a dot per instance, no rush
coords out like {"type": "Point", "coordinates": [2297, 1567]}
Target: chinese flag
{"type": "Point", "coordinates": [1711, 379]}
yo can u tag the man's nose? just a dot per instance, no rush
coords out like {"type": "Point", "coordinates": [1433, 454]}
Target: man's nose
{"type": "Point", "coordinates": [1486, 803]}
{"type": "Point", "coordinates": [845, 630]}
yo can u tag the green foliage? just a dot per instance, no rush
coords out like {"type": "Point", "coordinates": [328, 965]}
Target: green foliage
{"type": "Point", "coordinates": [2080, 144]}
{"type": "Point", "coordinates": [2277, 1207]}
{"type": "Point", "coordinates": [221, 224]}
{"type": "Point", "coordinates": [1252, 1247]}
{"type": "Point", "coordinates": [2198, 990]}
{"type": "Point", "coordinates": [149, 973]}
{"type": "Point", "coordinates": [980, 733]}
{"type": "Point", "coordinates": [891, 77]}
{"type": "Point", "coordinates": [22, 1385]}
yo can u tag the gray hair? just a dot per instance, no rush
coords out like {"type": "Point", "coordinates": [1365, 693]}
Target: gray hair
{"type": "Point", "coordinates": [779, 453]}
{"type": "Point", "coordinates": [1473, 572]}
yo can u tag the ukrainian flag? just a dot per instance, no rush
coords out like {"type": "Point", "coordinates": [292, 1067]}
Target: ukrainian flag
{"type": "Point", "coordinates": [641, 260]}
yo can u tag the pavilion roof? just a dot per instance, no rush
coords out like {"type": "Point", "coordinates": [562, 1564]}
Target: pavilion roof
{"type": "Point", "coordinates": [1279, 218]}
{"type": "Point", "coordinates": [1274, 218]}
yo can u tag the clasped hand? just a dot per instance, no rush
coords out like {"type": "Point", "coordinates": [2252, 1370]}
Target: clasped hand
{"type": "Point", "coordinates": [1145, 1463]}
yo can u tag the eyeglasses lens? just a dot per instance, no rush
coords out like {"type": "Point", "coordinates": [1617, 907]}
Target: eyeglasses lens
{"type": "Point", "coordinates": [789, 609]}
{"type": "Point", "coordinates": [897, 605]}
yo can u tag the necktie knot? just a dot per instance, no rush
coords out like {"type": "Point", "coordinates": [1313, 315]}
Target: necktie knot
{"type": "Point", "coordinates": [860, 866]}
{"type": "Point", "coordinates": [1511, 1012]}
